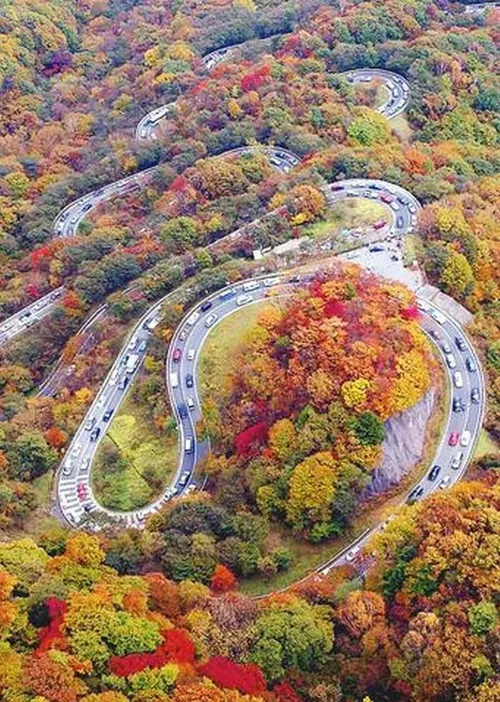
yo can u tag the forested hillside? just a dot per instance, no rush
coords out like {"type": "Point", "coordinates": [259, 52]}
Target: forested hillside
{"type": "Point", "coordinates": [426, 627]}
{"type": "Point", "coordinates": [297, 419]}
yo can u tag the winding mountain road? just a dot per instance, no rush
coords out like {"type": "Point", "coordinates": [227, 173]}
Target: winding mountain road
{"type": "Point", "coordinates": [76, 498]}
{"type": "Point", "coordinates": [74, 488]}
{"type": "Point", "coordinates": [72, 215]}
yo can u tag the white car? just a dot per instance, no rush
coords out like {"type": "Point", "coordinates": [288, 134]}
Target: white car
{"type": "Point", "coordinates": [251, 285]}
{"type": "Point", "coordinates": [77, 450]}
{"type": "Point", "coordinates": [450, 360]}
{"type": "Point", "coordinates": [210, 321]}
{"type": "Point", "coordinates": [465, 438]}
{"type": "Point", "coordinates": [351, 555]}
{"type": "Point", "coordinates": [192, 319]}
{"type": "Point", "coordinates": [438, 317]}
{"type": "Point", "coordinates": [455, 464]}
{"type": "Point", "coordinates": [243, 300]}
{"type": "Point", "coordinates": [458, 380]}
{"type": "Point", "coordinates": [68, 467]}
{"type": "Point", "coordinates": [191, 354]}
{"type": "Point", "coordinates": [444, 482]}
{"type": "Point", "coordinates": [190, 402]}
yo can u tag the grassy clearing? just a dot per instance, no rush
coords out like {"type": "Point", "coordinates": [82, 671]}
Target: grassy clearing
{"type": "Point", "coordinates": [486, 445]}
{"type": "Point", "coordinates": [148, 459]}
{"type": "Point", "coordinates": [214, 361]}
{"type": "Point", "coordinates": [402, 127]}
{"type": "Point", "coordinates": [222, 344]}
{"type": "Point", "coordinates": [350, 213]}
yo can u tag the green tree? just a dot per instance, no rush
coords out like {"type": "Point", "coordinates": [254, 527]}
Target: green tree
{"type": "Point", "coordinates": [457, 277]}
{"type": "Point", "coordinates": [30, 456]}
{"type": "Point", "coordinates": [483, 617]}
{"type": "Point", "coordinates": [294, 635]}
{"type": "Point", "coordinates": [369, 429]}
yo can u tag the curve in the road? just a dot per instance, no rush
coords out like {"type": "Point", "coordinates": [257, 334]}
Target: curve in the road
{"type": "Point", "coordinates": [68, 220]}
{"type": "Point", "coordinates": [74, 487]}
{"type": "Point", "coordinates": [397, 87]}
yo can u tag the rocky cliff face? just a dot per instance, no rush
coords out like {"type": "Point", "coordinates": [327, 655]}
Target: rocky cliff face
{"type": "Point", "coordinates": [403, 445]}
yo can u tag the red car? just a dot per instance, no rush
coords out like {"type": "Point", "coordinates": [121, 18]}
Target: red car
{"type": "Point", "coordinates": [81, 491]}
{"type": "Point", "coordinates": [454, 437]}
{"type": "Point", "coordinates": [176, 356]}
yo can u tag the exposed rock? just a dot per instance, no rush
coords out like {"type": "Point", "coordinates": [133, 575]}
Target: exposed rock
{"type": "Point", "coordinates": [403, 445]}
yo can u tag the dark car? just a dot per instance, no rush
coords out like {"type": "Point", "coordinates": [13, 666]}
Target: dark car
{"type": "Point", "coordinates": [458, 404]}
{"type": "Point", "coordinates": [182, 411]}
{"type": "Point", "coordinates": [107, 415]}
{"type": "Point", "coordinates": [87, 207]}
{"type": "Point", "coordinates": [206, 306]}
{"type": "Point", "coordinates": [176, 356]}
{"type": "Point", "coordinates": [471, 366]}
{"type": "Point", "coordinates": [377, 247]}
{"type": "Point", "coordinates": [461, 345]}
{"type": "Point", "coordinates": [415, 494]}
{"type": "Point", "coordinates": [189, 381]}
{"type": "Point", "coordinates": [434, 472]}
{"type": "Point", "coordinates": [399, 222]}
{"type": "Point", "coordinates": [95, 434]}
{"type": "Point", "coordinates": [125, 382]}
{"type": "Point", "coordinates": [475, 396]}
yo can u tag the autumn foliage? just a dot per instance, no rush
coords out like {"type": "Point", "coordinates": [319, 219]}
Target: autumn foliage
{"type": "Point", "coordinates": [246, 678]}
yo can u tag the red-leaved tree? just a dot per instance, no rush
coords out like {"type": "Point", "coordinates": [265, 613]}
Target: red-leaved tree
{"type": "Point", "coordinates": [245, 677]}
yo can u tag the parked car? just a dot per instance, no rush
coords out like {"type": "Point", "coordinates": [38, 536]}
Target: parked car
{"type": "Point", "coordinates": [450, 360]}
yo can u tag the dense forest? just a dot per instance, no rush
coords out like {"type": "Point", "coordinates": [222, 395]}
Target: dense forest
{"type": "Point", "coordinates": [155, 615]}
{"type": "Point", "coordinates": [425, 627]}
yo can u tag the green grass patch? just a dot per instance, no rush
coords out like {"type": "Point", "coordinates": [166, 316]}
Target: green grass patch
{"type": "Point", "coordinates": [134, 460]}
{"type": "Point", "coordinates": [486, 445]}
{"type": "Point", "coordinates": [355, 212]}
{"type": "Point", "coordinates": [402, 127]}
{"type": "Point", "coordinates": [222, 344]}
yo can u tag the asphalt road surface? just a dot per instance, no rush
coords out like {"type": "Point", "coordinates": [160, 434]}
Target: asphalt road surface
{"type": "Point", "coordinates": [29, 315]}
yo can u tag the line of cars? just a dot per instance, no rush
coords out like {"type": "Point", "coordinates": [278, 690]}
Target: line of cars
{"type": "Point", "coordinates": [397, 87]}
{"type": "Point", "coordinates": [401, 202]}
